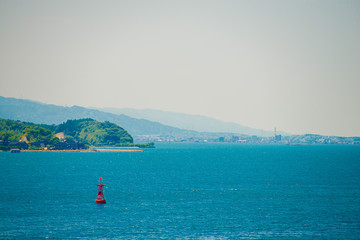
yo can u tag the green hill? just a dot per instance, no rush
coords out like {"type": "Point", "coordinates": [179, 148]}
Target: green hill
{"type": "Point", "coordinates": [78, 134]}
{"type": "Point", "coordinates": [25, 135]}
{"type": "Point", "coordinates": [95, 133]}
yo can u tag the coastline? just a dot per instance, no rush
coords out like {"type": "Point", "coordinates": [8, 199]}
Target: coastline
{"type": "Point", "coordinates": [86, 150]}
{"type": "Point", "coordinates": [91, 149]}
{"type": "Point", "coordinates": [116, 149]}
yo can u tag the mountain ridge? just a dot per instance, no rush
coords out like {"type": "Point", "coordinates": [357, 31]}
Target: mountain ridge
{"type": "Point", "coordinates": [193, 122]}
{"type": "Point", "coordinates": [176, 125]}
{"type": "Point", "coordinates": [31, 111]}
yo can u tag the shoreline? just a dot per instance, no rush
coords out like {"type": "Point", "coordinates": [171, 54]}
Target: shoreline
{"type": "Point", "coordinates": [86, 150]}
{"type": "Point", "coordinates": [91, 149]}
{"type": "Point", "coordinates": [118, 150]}
{"type": "Point", "coordinates": [114, 147]}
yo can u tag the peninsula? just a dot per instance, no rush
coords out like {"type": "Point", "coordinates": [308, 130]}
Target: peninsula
{"type": "Point", "coordinates": [72, 135]}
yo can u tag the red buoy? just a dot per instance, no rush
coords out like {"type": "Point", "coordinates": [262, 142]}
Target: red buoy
{"type": "Point", "coordinates": [100, 199]}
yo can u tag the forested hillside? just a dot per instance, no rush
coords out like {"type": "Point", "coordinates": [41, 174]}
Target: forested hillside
{"type": "Point", "coordinates": [25, 135]}
{"type": "Point", "coordinates": [95, 132]}
{"type": "Point", "coordinates": [77, 134]}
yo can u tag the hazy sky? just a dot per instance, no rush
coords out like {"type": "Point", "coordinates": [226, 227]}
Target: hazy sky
{"type": "Point", "coordinates": [290, 64]}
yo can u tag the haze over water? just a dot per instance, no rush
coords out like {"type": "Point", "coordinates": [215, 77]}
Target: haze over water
{"type": "Point", "coordinates": [184, 191]}
{"type": "Point", "coordinates": [293, 65]}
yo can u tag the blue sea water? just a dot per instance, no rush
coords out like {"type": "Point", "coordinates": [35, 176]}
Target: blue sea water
{"type": "Point", "coordinates": [184, 191]}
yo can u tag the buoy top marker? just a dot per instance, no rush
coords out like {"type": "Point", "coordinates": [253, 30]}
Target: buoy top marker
{"type": "Point", "coordinates": [100, 199]}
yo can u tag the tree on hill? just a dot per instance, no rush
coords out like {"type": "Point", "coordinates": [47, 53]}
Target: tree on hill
{"type": "Point", "coordinates": [95, 133]}
{"type": "Point", "coordinates": [39, 137]}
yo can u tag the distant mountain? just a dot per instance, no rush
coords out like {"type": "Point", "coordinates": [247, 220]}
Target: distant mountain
{"type": "Point", "coordinates": [188, 121]}
{"type": "Point", "coordinates": [136, 122]}
{"type": "Point", "coordinates": [31, 111]}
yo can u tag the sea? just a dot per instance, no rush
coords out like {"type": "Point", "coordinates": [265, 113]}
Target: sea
{"type": "Point", "coordinates": [184, 191]}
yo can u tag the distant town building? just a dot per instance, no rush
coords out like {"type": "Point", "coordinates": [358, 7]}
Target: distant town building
{"type": "Point", "coordinates": [278, 138]}
{"type": "Point", "coordinates": [234, 139]}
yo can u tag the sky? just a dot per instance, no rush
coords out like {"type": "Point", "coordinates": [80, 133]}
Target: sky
{"type": "Point", "coordinates": [293, 65]}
